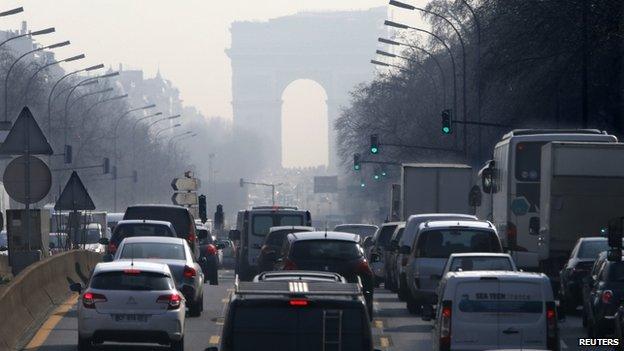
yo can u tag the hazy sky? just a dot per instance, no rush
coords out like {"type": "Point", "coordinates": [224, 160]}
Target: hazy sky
{"type": "Point", "coordinates": [185, 38]}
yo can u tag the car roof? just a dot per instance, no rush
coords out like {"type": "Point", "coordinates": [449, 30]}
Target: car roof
{"type": "Point", "coordinates": [144, 221]}
{"type": "Point", "coordinates": [424, 216]}
{"type": "Point", "coordinates": [300, 275]}
{"type": "Point", "coordinates": [160, 205]}
{"type": "Point", "coordinates": [153, 239]}
{"type": "Point", "coordinates": [116, 266]}
{"type": "Point", "coordinates": [479, 254]}
{"type": "Point", "coordinates": [356, 225]}
{"type": "Point", "coordinates": [295, 227]}
{"type": "Point", "coordinates": [391, 224]}
{"type": "Point", "coordinates": [457, 223]}
{"type": "Point", "coordinates": [507, 275]}
{"type": "Point", "coordinates": [593, 238]}
{"type": "Point", "coordinates": [325, 235]}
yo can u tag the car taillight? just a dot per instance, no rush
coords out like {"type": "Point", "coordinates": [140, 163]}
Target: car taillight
{"type": "Point", "coordinates": [89, 299]}
{"type": "Point", "coordinates": [298, 302]}
{"type": "Point", "coordinates": [112, 248]}
{"type": "Point", "coordinates": [445, 325]}
{"type": "Point", "coordinates": [211, 250]}
{"type": "Point", "coordinates": [192, 236]}
{"type": "Point", "coordinates": [364, 268]}
{"type": "Point", "coordinates": [189, 272]}
{"type": "Point", "coordinates": [173, 301]}
{"type": "Point", "coordinates": [289, 265]}
{"type": "Point", "coordinates": [551, 326]}
{"type": "Point", "coordinates": [607, 296]}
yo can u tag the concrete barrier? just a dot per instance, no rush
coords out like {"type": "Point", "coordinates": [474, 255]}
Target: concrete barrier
{"type": "Point", "coordinates": [35, 292]}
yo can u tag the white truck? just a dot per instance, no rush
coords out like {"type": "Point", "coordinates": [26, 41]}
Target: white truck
{"type": "Point", "coordinates": [435, 188]}
{"type": "Point", "coordinates": [581, 189]}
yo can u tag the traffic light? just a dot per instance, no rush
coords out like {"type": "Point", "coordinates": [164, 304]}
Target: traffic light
{"type": "Point", "coordinates": [218, 218]}
{"type": "Point", "coordinates": [374, 144]}
{"type": "Point", "coordinates": [362, 184]}
{"type": "Point", "coordinates": [447, 122]}
{"type": "Point", "coordinates": [135, 176]}
{"type": "Point", "coordinates": [68, 154]}
{"type": "Point", "coordinates": [106, 165]}
{"type": "Point", "coordinates": [356, 162]}
{"type": "Point", "coordinates": [384, 171]}
{"type": "Point", "coordinates": [203, 214]}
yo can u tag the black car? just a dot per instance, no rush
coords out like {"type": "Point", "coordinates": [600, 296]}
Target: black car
{"type": "Point", "coordinates": [579, 264]}
{"type": "Point", "coordinates": [330, 252]}
{"type": "Point", "coordinates": [602, 291]}
{"type": "Point", "coordinates": [208, 255]}
{"type": "Point", "coordinates": [272, 246]}
{"type": "Point", "coordinates": [285, 314]}
{"type": "Point", "coordinates": [180, 217]}
{"type": "Point", "coordinates": [391, 254]}
{"type": "Point", "coordinates": [134, 228]}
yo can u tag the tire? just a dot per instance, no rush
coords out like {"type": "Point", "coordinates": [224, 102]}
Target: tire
{"type": "Point", "coordinates": [196, 307]}
{"type": "Point", "coordinates": [84, 344]}
{"type": "Point", "coordinates": [214, 277]}
{"type": "Point", "coordinates": [177, 345]}
{"type": "Point", "coordinates": [413, 305]}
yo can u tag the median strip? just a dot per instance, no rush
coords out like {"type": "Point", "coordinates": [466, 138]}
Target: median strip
{"type": "Point", "coordinates": [44, 332]}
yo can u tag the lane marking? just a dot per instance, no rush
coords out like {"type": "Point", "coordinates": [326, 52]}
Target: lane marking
{"type": "Point", "coordinates": [214, 340]}
{"type": "Point", "coordinates": [226, 300]}
{"type": "Point", "coordinates": [48, 326]}
{"type": "Point", "coordinates": [378, 324]}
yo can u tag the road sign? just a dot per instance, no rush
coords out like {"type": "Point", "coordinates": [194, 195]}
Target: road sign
{"type": "Point", "coordinates": [74, 196]}
{"type": "Point", "coordinates": [326, 184]}
{"type": "Point", "coordinates": [185, 184]}
{"type": "Point", "coordinates": [15, 177]}
{"type": "Point", "coordinates": [185, 199]}
{"type": "Point", "coordinates": [25, 137]}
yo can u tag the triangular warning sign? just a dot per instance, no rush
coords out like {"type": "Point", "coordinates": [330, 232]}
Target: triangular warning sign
{"type": "Point", "coordinates": [25, 137]}
{"type": "Point", "coordinates": [75, 196]}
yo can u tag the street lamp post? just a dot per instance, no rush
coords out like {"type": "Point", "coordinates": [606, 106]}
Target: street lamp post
{"type": "Point", "coordinates": [38, 32]}
{"type": "Point", "coordinates": [103, 101]}
{"type": "Point", "coordinates": [11, 12]}
{"type": "Point", "coordinates": [6, 78]}
{"type": "Point", "coordinates": [88, 69]}
{"type": "Point", "coordinates": [134, 132]}
{"type": "Point", "coordinates": [166, 129]}
{"type": "Point", "coordinates": [32, 78]}
{"type": "Point", "coordinates": [115, 137]}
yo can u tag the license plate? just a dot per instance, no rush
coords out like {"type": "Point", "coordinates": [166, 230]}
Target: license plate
{"type": "Point", "coordinates": [130, 317]}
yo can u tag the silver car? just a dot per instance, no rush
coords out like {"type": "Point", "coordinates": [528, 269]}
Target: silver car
{"type": "Point", "coordinates": [128, 301]}
{"type": "Point", "coordinates": [174, 252]}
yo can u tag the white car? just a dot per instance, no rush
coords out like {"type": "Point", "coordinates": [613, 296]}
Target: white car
{"type": "Point", "coordinates": [495, 310]}
{"type": "Point", "coordinates": [128, 301]}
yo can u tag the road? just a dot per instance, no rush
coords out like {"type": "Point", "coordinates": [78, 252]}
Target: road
{"type": "Point", "coordinates": [394, 328]}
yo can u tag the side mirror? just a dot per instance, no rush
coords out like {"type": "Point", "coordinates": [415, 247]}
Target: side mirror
{"type": "Point", "coordinates": [202, 234]}
{"type": "Point", "coordinates": [103, 241]}
{"type": "Point", "coordinates": [427, 313]}
{"type": "Point", "coordinates": [76, 287]}
{"type": "Point", "coordinates": [234, 234]}
{"type": "Point", "coordinates": [107, 258]}
{"type": "Point", "coordinates": [487, 177]}
{"type": "Point", "coordinates": [404, 250]}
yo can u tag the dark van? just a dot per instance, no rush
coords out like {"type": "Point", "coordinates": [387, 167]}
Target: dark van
{"type": "Point", "coordinates": [303, 315]}
{"type": "Point", "coordinates": [180, 217]}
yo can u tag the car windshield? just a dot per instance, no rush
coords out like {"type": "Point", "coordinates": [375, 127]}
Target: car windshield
{"type": "Point", "coordinates": [141, 229]}
{"type": "Point", "coordinates": [166, 251]}
{"type": "Point", "coordinates": [591, 248]}
{"type": "Point", "coordinates": [326, 249]}
{"type": "Point", "coordinates": [481, 264]}
{"type": "Point", "coordinates": [361, 230]}
{"type": "Point", "coordinates": [131, 281]}
{"type": "Point", "coordinates": [92, 236]}
{"type": "Point", "coordinates": [441, 243]}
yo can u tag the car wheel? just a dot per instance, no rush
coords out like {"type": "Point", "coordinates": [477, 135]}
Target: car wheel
{"type": "Point", "coordinates": [84, 344]}
{"type": "Point", "coordinates": [214, 277]}
{"type": "Point", "coordinates": [413, 305]}
{"type": "Point", "coordinates": [177, 345]}
{"type": "Point", "coordinates": [196, 307]}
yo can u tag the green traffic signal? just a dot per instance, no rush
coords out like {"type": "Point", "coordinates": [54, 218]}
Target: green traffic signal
{"type": "Point", "coordinates": [374, 150]}
{"type": "Point", "coordinates": [376, 176]}
{"type": "Point", "coordinates": [374, 144]}
{"type": "Point", "coordinates": [446, 130]}
{"type": "Point", "coordinates": [446, 121]}
{"type": "Point", "coordinates": [356, 162]}
{"type": "Point", "coordinates": [362, 185]}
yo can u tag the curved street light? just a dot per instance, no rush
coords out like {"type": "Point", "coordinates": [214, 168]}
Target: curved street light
{"type": "Point", "coordinates": [166, 129]}
{"type": "Point", "coordinates": [37, 32]}
{"type": "Point", "coordinates": [11, 12]}
{"type": "Point", "coordinates": [32, 78]}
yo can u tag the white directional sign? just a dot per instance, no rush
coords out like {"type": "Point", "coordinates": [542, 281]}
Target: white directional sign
{"type": "Point", "coordinates": [185, 184]}
{"type": "Point", "coordinates": [185, 199]}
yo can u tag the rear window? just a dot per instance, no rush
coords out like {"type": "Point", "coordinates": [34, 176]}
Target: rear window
{"type": "Point", "coordinates": [326, 249]}
{"type": "Point", "coordinates": [363, 231]}
{"type": "Point", "coordinates": [140, 229]}
{"type": "Point", "coordinates": [165, 251]}
{"type": "Point", "coordinates": [144, 281]}
{"type": "Point", "coordinates": [591, 249]}
{"type": "Point", "coordinates": [442, 243]}
{"type": "Point", "coordinates": [277, 238]}
{"type": "Point", "coordinates": [295, 328]}
{"type": "Point", "coordinates": [481, 264]}
{"type": "Point", "coordinates": [385, 234]}
{"type": "Point", "coordinates": [261, 223]}
{"type": "Point", "coordinates": [178, 217]}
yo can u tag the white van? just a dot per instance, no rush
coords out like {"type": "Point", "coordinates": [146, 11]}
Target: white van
{"type": "Point", "coordinates": [435, 242]}
{"type": "Point", "coordinates": [495, 310]}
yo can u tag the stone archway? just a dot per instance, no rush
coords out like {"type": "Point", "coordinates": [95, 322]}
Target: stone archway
{"type": "Point", "coordinates": [331, 48]}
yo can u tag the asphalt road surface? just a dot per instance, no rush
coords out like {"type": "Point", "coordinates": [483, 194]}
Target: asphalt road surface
{"type": "Point", "coordinates": [393, 327]}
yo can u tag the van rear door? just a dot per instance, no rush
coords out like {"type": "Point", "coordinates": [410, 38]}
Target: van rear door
{"type": "Point", "coordinates": [521, 317]}
{"type": "Point", "coordinates": [474, 319]}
